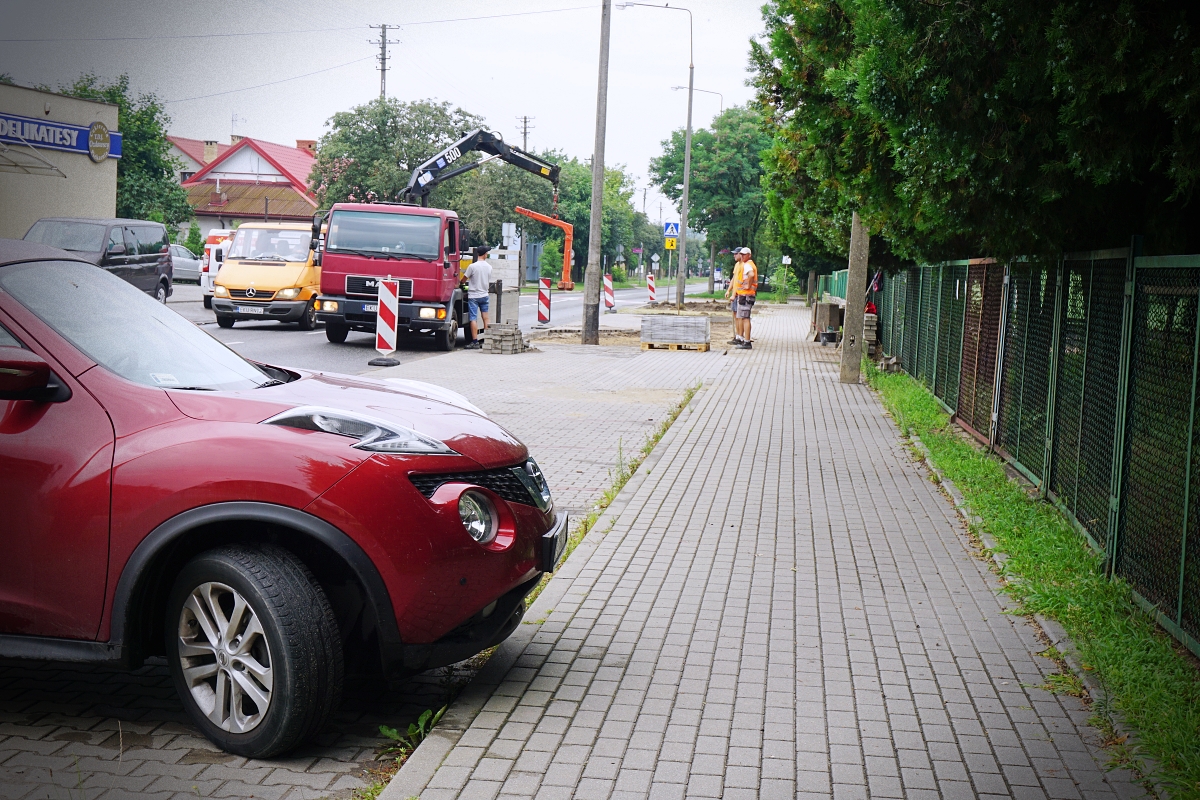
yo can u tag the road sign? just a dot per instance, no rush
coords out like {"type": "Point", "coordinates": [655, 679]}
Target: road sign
{"type": "Point", "coordinates": [670, 229]}
{"type": "Point", "coordinates": [543, 300]}
{"type": "Point", "coordinates": [385, 326]}
{"type": "Point", "coordinates": [650, 287]}
{"type": "Point", "coordinates": [610, 301]}
{"type": "Point", "coordinates": [787, 259]}
{"type": "Point", "coordinates": [669, 243]}
{"type": "Point", "coordinates": [656, 258]}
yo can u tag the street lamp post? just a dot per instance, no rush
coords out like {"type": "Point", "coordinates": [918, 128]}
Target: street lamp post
{"type": "Point", "coordinates": [712, 246]}
{"type": "Point", "coordinates": [681, 276]}
{"type": "Point", "coordinates": [590, 329]}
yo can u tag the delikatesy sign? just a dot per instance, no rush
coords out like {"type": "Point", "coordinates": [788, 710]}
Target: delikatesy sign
{"type": "Point", "coordinates": [96, 140]}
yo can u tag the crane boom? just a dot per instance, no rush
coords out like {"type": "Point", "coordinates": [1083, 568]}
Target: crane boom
{"type": "Point", "coordinates": [441, 168]}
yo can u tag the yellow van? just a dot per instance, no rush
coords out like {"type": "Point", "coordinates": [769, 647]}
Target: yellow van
{"type": "Point", "coordinates": [268, 274]}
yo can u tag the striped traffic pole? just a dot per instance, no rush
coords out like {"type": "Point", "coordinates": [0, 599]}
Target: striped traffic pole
{"type": "Point", "coordinates": [543, 300]}
{"type": "Point", "coordinates": [385, 323]}
{"type": "Point", "coordinates": [610, 302]}
{"type": "Point", "coordinates": [650, 286]}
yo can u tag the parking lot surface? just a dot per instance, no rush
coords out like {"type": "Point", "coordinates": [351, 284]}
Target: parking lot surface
{"type": "Point", "coordinates": [80, 732]}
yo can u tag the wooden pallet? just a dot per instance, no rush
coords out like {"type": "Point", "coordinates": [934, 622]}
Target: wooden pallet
{"type": "Point", "coordinates": [701, 348]}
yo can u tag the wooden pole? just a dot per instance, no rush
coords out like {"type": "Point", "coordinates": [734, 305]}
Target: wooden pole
{"type": "Point", "coordinates": [856, 301]}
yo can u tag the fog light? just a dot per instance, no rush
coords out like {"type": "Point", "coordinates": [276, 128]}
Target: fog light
{"type": "Point", "coordinates": [428, 313]}
{"type": "Point", "coordinates": [477, 515]}
{"type": "Point", "coordinates": [221, 291]}
{"type": "Point", "coordinates": [329, 305]}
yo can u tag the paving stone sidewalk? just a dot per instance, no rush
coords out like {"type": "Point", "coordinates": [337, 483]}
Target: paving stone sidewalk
{"type": "Point", "coordinates": [82, 732]}
{"type": "Point", "coordinates": [784, 607]}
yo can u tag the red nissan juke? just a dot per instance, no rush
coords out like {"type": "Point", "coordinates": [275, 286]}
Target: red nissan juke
{"type": "Point", "coordinates": [262, 528]}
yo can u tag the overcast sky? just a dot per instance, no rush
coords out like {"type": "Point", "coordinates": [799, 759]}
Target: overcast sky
{"type": "Point", "coordinates": [542, 64]}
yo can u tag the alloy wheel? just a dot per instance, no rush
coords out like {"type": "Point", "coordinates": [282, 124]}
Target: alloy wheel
{"type": "Point", "coordinates": [225, 657]}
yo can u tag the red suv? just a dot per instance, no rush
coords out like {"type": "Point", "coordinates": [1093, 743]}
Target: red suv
{"type": "Point", "coordinates": [264, 529]}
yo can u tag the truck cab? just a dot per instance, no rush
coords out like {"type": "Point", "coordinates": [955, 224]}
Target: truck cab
{"type": "Point", "coordinates": [419, 247]}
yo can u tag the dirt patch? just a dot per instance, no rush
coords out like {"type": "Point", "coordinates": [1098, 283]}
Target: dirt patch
{"type": "Point", "coordinates": [689, 307]}
{"type": "Point", "coordinates": [606, 337]}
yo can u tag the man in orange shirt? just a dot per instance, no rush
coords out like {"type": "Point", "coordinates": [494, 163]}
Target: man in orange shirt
{"type": "Point", "coordinates": [745, 289]}
{"type": "Point", "coordinates": [735, 280]}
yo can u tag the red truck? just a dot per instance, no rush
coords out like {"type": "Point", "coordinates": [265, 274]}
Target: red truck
{"type": "Point", "coordinates": [418, 245]}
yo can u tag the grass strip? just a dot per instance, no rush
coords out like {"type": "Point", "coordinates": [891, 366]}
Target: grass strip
{"type": "Point", "coordinates": [1148, 677]}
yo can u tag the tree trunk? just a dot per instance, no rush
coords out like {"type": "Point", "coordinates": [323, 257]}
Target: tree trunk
{"type": "Point", "coordinates": [856, 301]}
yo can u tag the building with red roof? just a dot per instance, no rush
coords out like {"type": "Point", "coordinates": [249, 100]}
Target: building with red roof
{"type": "Point", "coordinates": [250, 179]}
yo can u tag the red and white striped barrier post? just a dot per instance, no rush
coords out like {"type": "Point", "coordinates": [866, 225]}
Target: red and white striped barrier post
{"type": "Point", "coordinates": [543, 300]}
{"type": "Point", "coordinates": [610, 301]}
{"type": "Point", "coordinates": [650, 286]}
{"type": "Point", "coordinates": [385, 323]}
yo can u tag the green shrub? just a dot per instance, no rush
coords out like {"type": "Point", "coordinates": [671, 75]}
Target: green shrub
{"type": "Point", "coordinates": [551, 260]}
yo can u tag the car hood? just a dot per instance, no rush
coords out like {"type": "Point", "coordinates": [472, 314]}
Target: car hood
{"type": "Point", "coordinates": [270, 276]}
{"type": "Point", "coordinates": [427, 409]}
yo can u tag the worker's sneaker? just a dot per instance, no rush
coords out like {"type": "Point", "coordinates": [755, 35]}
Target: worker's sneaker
{"type": "Point", "coordinates": [735, 340]}
{"type": "Point", "coordinates": [744, 346]}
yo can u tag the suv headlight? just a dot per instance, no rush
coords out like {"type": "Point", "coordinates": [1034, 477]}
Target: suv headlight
{"type": "Point", "coordinates": [288, 294]}
{"type": "Point", "coordinates": [378, 436]}
{"type": "Point", "coordinates": [477, 515]}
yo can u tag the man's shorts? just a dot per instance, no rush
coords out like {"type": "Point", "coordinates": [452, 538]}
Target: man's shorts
{"type": "Point", "coordinates": [745, 302]}
{"type": "Point", "coordinates": [475, 305]}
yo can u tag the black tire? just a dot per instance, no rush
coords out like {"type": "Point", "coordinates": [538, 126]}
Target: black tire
{"type": "Point", "coordinates": [336, 333]}
{"type": "Point", "coordinates": [224, 321]}
{"type": "Point", "coordinates": [208, 301]}
{"type": "Point", "coordinates": [447, 338]}
{"type": "Point", "coordinates": [299, 641]}
{"type": "Point", "coordinates": [160, 293]}
{"type": "Point", "coordinates": [309, 320]}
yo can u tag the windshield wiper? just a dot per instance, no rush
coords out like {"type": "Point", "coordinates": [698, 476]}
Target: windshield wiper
{"type": "Point", "coordinates": [414, 255]}
{"type": "Point", "coordinates": [272, 382]}
{"type": "Point", "coordinates": [192, 388]}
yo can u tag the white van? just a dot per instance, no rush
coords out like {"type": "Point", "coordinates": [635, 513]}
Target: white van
{"type": "Point", "coordinates": [215, 247]}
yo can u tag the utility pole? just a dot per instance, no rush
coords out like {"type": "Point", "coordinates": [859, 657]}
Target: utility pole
{"type": "Point", "coordinates": [525, 129]}
{"type": "Point", "coordinates": [383, 57]}
{"type": "Point", "coordinates": [681, 278]}
{"type": "Point", "coordinates": [712, 266]}
{"type": "Point", "coordinates": [591, 292]}
{"type": "Point", "coordinates": [856, 301]}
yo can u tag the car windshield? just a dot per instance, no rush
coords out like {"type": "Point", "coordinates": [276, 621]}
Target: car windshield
{"type": "Point", "coordinates": [86, 237]}
{"type": "Point", "coordinates": [124, 330]}
{"type": "Point", "coordinates": [270, 244]}
{"type": "Point", "coordinates": [381, 232]}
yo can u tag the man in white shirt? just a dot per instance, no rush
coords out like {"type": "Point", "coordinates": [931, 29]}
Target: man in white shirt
{"type": "Point", "coordinates": [479, 277]}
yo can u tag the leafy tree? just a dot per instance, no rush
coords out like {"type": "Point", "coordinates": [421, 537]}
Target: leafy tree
{"type": "Point", "coordinates": [995, 127]}
{"type": "Point", "coordinates": [486, 198]}
{"type": "Point", "coordinates": [726, 197]}
{"type": "Point", "coordinates": [194, 241]}
{"type": "Point", "coordinates": [146, 185]}
{"type": "Point", "coordinates": [371, 150]}
{"type": "Point", "coordinates": [551, 259]}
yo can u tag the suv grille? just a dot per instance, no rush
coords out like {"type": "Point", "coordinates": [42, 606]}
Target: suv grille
{"type": "Point", "coordinates": [367, 286]}
{"type": "Point", "coordinates": [503, 482]}
{"type": "Point", "coordinates": [259, 294]}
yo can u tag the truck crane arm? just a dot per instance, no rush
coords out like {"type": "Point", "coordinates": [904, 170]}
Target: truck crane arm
{"type": "Point", "coordinates": [441, 168]}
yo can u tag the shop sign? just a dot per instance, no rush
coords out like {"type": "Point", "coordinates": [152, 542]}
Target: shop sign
{"type": "Point", "coordinates": [97, 141]}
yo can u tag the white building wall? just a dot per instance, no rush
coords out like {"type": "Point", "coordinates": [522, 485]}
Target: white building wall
{"type": "Point", "coordinates": [88, 190]}
{"type": "Point", "coordinates": [246, 165]}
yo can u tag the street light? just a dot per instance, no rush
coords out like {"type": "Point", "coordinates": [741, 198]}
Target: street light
{"type": "Point", "coordinates": [681, 278]}
{"type": "Point", "coordinates": [712, 247]}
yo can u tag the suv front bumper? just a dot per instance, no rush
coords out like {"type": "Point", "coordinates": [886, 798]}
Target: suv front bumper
{"type": "Point", "coordinates": [278, 310]}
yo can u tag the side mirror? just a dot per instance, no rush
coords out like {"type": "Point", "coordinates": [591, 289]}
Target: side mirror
{"type": "Point", "coordinates": [26, 376]}
{"type": "Point", "coordinates": [219, 256]}
{"type": "Point", "coordinates": [316, 230]}
{"type": "Point", "coordinates": [464, 239]}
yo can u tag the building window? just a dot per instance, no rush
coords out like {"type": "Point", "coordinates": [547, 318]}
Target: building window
{"type": "Point", "coordinates": [185, 176]}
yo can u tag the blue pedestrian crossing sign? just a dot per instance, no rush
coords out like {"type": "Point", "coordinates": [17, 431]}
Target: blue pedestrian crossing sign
{"type": "Point", "coordinates": [670, 229]}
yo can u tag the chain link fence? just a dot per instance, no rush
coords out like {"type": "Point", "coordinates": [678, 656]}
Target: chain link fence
{"type": "Point", "coordinates": [1082, 373]}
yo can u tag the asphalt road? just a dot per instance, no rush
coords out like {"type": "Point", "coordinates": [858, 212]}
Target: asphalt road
{"type": "Point", "coordinates": [286, 345]}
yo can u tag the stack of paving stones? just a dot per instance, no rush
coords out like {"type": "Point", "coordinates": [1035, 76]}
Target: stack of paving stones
{"type": "Point", "coordinates": [504, 339]}
{"type": "Point", "coordinates": [871, 334]}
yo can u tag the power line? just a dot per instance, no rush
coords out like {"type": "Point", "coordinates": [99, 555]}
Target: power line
{"type": "Point", "coordinates": [162, 37]}
{"type": "Point", "coordinates": [525, 129]}
{"type": "Point", "coordinates": [271, 83]}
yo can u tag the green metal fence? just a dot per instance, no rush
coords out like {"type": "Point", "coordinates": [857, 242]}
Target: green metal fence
{"type": "Point", "coordinates": [834, 285]}
{"type": "Point", "coordinates": [1083, 373]}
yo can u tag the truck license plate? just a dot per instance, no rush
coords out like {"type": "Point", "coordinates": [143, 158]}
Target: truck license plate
{"type": "Point", "coordinates": [248, 309]}
{"type": "Point", "coordinates": [370, 307]}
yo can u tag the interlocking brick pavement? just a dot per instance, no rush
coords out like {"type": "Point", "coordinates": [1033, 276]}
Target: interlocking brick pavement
{"type": "Point", "coordinates": [785, 607]}
{"type": "Point", "coordinates": [82, 732]}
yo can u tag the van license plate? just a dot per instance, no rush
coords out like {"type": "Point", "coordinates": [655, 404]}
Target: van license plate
{"type": "Point", "coordinates": [370, 307]}
{"type": "Point", "coordinates": [248, 309]}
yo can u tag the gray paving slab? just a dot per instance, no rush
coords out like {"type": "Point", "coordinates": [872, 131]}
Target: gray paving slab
{"type": "Point", "coordinates": [784, 606]}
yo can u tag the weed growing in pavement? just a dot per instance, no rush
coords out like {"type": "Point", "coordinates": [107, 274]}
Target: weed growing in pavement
{"type": "Point", "coordinates": [1147, 676]}
{"type": "Point", "coordinates": [401, 744]}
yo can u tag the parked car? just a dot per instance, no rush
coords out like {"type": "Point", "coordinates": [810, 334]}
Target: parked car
{"type": "Point", "coordinates": [261, 528]}
{"type": "Point", "coordinates": [268, 274]}
{"type": "Point", "coordinates": [186, 264]}
{"type": "Point", "coordinates": [136, 251]}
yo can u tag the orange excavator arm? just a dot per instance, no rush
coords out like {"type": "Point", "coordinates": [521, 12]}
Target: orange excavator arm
{"type": "Point", "coordinates": [569, 235]}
